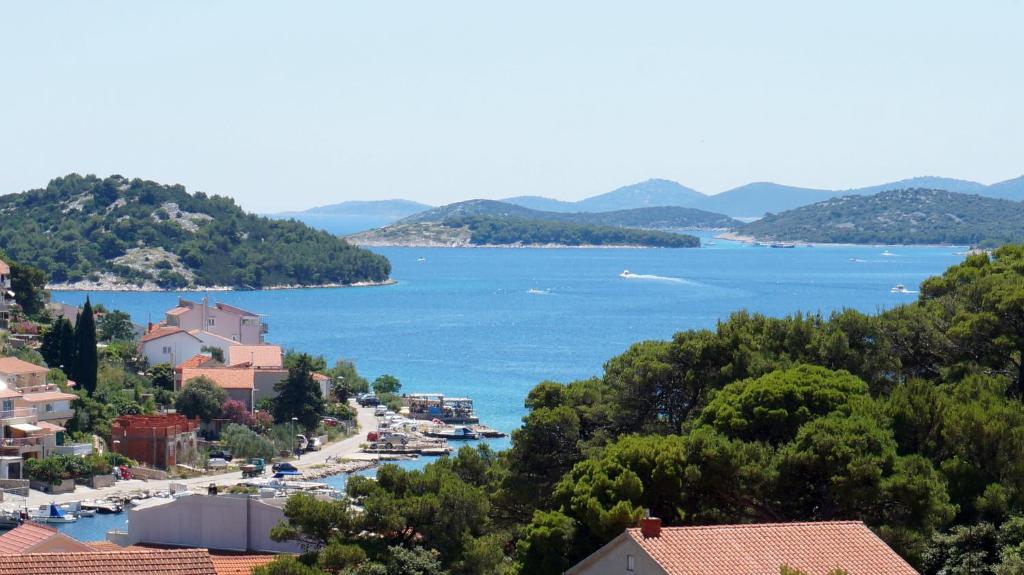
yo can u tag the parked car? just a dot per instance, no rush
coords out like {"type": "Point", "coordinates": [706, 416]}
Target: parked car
{"type": "Point", "coordinates": [217, 463]}
{"type": "Point", "coordinates": [283, 466]}
{"type": "Point", "coordinates": [330, 421]}
{"type": "Point", "coordinates": [314, 444]}
{"type": "Point", "coordinates": [368, 400]}
{"type": "Point", "coordinates": [381, 411]}
{"type": "Point", "coordinates": [255, 467]}
{"type": "Point", "coordinates": [220, 454]}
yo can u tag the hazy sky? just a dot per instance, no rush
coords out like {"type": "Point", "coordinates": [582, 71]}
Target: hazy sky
{"type": "Point", "coordinates": [288, 105]}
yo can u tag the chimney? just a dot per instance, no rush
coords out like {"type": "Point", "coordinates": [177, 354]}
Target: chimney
{"type": "Point", "coordinates": [650, 527]}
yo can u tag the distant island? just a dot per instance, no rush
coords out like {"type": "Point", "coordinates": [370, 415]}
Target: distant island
{"type": "Point", "coordinates": [912, 216]}
{"type": "Point", "coordinates": [119, 233]}
{"type": "Point", "coordinates": [489, 231]}
{"type": "Point", "coordinates": [493, 223]}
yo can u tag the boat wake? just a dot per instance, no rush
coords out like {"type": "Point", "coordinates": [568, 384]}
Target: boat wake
{"type": "Point", "coordinates": [534, 291]}
{"type": "Point", "coordinates": [632, 276]}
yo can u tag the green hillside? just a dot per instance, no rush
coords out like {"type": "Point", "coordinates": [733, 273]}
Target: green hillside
{"type": "Point", "coordinates": [116, 230]}
{"type": "Point", "coordinates": [914, 216]}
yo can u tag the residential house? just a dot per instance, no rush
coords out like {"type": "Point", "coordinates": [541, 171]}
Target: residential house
{"type": "Point", "coordinates": [30, 537]}
{"type": "Point", "coordinates": [243, 383]}
{"type": "Point", "coordinates": [6, 295]}
{"type": "Point", "coordinates": [240, 523]}
{"type": "Point", "coordinates": [21, 374]}
{"type": "Point", "coordinates": [161, 441]}
{"type": "Point", "coordinates": [174, 345]}
{"type": "Point", "coordinates": [225, 320]}
{"type": "Point", "coordinates": [759, 549]}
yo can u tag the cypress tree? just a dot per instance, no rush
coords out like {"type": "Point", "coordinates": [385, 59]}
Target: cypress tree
{"type": "Point", "coordinates": [68, 347]}
{"type": "Point", "coordinates": [86, 360]}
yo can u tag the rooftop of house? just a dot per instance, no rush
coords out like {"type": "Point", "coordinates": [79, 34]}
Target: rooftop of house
{"type": "Point", "coordinates": [155, 421]}
{"type": "Point", "coordinates": [198, 360]}
{"type": "Point", "coordinates": [23, 538]}
{"type": "Point", "coordinates": [15, 366]}
{"type": "Point", "coordinates": [224, 377]}
{"type": "Point", "coordinates": [159, 331]}
{"type": "Point", "coordinates": [258, 356]}
{"type": "Point", "coordinates": [155, 562]}
{"type": "Point", "coordinates": [762, 549]}
{"type": "Point", "coordinates": [184, 304]}
{"type": "Point", "coordinates": [44, 396]}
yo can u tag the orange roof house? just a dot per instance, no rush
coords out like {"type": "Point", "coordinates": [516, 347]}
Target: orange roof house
{"type": "Point", "coordinates": [15, 366]}
{"type": "Point", "coordinates": [759, 549]}
{"type": "Point", "coordinates": [224, 377]}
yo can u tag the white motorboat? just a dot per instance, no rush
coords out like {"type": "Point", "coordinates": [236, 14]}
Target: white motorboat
{"type": "Point", "coordinates": [626, 274]}
{"type": "Point", "coordinates": [900, 288]}
{"type": "Point", "coordinates": [52, 513]}
{"type": "Point", "coordinates": [888, 254]}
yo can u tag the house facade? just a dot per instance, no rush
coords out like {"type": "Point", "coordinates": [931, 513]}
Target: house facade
{"type": "Point", "coordinates": [227, 321]}
{"type": "Point", "coordinates": [32, 416]}
{"type": "Point", "coordinates": [757, 549]}
{"type": "Point", "coordinates": [6, 295]}
{"type": "Point", "coordinates": [175, 346]}
{"type": "Point", "coordinates": [246, 384]}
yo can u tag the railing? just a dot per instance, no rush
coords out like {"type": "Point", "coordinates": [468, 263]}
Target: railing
{"type": "Point", "coordinates": [73, 449]}
{"type": "Point", "coordinates": [56, 414]}
{"type": "Point", "coordinates": [20, 441]}
{"type": "Point", "coordinates": [17, 412]}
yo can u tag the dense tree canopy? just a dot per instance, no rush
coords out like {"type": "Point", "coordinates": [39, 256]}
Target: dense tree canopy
{"type": "Point", "coordinates": [78, 227]}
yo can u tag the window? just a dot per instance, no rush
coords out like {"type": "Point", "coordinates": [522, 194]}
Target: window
{"type": "Point", "coordinates": [630, 563]}
{"type": "Point", "coordinates": [48, 408]}
{"type": "Point", "coordinates": [167, 350]}
{"type": "Point", "coordinates": [211, 322]}
{"type": "Point", "coordinates": [8, 405]}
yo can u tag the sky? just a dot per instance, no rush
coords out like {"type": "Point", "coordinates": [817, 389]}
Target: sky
{"type": "Point", "coordinates": [285, 106]}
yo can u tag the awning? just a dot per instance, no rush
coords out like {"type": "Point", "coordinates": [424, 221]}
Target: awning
{"type": "Point", "coordinates": [26, 427]}
{"type": "Point", "coordinates": [50, 426]}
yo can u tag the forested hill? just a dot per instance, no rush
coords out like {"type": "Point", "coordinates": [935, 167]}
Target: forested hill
{"type": "Point", "coordinates": [474, 230]}
{"type": "Point", "coordinates": [660, 218]}
{"type": "Point", "coordinates": [115, 231]}
{"type": "Point", "coordinates": [914, 216]}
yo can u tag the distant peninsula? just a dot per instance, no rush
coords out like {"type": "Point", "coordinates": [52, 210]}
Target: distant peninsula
{"type": "Point", "coordinates": [491, 231]}
{"type": "Point", "coordinates": [910, 216]}
{"type": "Point", "coordinates": [494, 223]}
{"type": "Point", "coordinates": [117, 233]}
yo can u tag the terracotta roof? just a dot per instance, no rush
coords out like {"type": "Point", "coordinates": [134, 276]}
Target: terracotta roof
{"type": "Point", "coordinates": [761, 549]}
{"type": "Point", "coordinates": [195, 361]}
{"type": "Point", "coordinates": [24, 537]}
{"type": "Point", "coordinates": [156, 562]}
{"type": "Point", "coordinates": [4, 268]}
{"type": "Point", "coordinates": [225, 377]}
{"type": "Point", "coordinates": [48, 396]}
{"type": "Point", "coordinates": [15, 366]}
{"type": "Point", "coordinates": [163, 331]}
{"type": "Point", "coordinates": [178, 310]}
{"type": "Point", "coordinates": [47, 426]}
{"type": "Point", "coordinates": [318, 377]}
{"type": "Point", "coordinates": [6, 393]}
{"type": "Point", "coordinates": [238, 564]}
{"type": "Point", "coordinates": [258, 355]}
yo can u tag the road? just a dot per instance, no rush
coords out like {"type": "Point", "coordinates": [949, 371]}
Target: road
{"type": "Point", "coordinates": [339, 449]}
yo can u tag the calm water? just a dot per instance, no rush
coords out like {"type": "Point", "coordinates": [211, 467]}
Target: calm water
{"type": "Point", "coordinates": [491, 323]}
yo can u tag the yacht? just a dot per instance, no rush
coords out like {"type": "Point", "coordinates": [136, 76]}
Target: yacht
{"type": "Point", "coordinates": [626, 274]}
{"type": "Point", "coordinates": [900, 288]}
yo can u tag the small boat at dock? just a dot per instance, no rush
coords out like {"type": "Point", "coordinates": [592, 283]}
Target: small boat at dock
{"type": "Point", "coordinates": [52, 514]}
{"type": "Point", "coordinates": [457, 432]}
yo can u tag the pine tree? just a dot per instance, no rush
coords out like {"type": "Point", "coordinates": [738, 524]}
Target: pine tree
{"type": "Point", "coordinates": [299, 396]}
{"type": "Point", "coordinates": [86, 360]}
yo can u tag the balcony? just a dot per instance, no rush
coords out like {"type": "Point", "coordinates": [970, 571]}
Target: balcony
{"type": "Point", "coordinates": [56, 415]}
{"type": "Point", "coordinates": [72, 449]}
{"type": "Point", "coordinates": [17, 415]}
{"type": "Point", "coordinates": [20, 445]}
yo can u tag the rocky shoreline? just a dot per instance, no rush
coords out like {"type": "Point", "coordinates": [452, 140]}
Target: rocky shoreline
{"type": "Point", "coordinates": [107, 285]}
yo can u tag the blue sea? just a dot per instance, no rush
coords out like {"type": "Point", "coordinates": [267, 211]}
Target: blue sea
{"type": "Point", "coordinates": [491, 323]}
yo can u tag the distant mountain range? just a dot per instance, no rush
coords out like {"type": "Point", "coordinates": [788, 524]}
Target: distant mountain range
{"type": "Point", "coordinates": [909, 216]}
{"type": "Point", "coordinates": [749, 201]}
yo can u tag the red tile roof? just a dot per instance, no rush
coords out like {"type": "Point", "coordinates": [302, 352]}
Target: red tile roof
{"type": "Point", "coordinates": [238, 564]}
{"type": "Point", "coordinates": [815, 548]}
{"type": "Point", "coordinates": [225, 377]}
{"type": "Point", "coordinates": [163, 331]}
{"type": "Point", "coordinates": [155, 562]}
{"type": "Point", "coordinates": [15, 366]}
{"type": "Point", "coordinates": [261, 356]}
{"type": "Point", "coordinates": [178, 310]}
{"type": "Point", "coordinates": [195, 361]}
{"type": "Point", "coordinates": [24, 537]}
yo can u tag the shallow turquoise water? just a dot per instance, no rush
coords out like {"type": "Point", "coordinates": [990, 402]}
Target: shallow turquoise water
{"type": "Point", "coordinates": [491, 323]}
